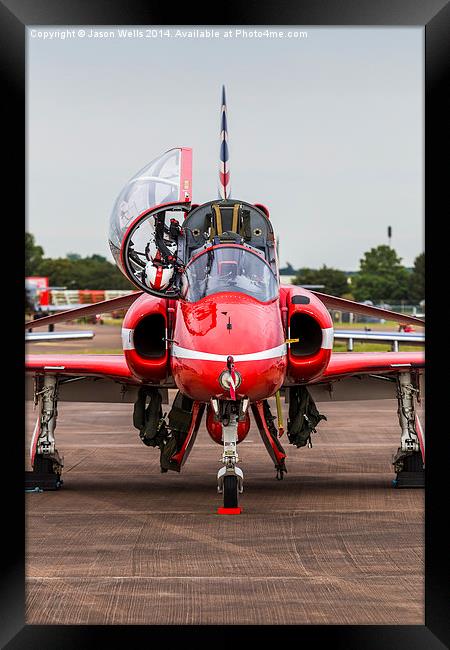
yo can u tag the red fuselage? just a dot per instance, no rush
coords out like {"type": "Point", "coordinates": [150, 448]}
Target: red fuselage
{"type": "Point", "coordinates": [208, 331]}
{"type": "Point", "coordinates": [189, 342]}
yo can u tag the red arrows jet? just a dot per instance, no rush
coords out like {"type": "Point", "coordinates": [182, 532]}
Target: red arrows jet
{"type": "Point", "coordinates": [212, 320]}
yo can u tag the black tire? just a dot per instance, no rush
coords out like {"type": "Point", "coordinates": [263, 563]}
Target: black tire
{"type": "Point", "coordinates": [43, 465]}
{"type": "Point", "coordinates": [413, 462]}
{"type": "Point", "coordinates": [230, 492]}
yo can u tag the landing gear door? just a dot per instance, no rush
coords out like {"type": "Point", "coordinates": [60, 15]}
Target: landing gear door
{"type": "Point", "coordinates": [146, 222]}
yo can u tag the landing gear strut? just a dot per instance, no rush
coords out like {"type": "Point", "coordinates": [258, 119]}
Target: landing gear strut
{"type": "Point", "coordinates": [45, 459]}
{"type": "Point", "coordinates": [409, 461]}
{"type": "Point", "coordinates": [230, 478]}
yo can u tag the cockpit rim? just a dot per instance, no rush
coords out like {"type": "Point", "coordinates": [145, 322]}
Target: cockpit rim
{"type": "Point", "coordinates": [245, 247]}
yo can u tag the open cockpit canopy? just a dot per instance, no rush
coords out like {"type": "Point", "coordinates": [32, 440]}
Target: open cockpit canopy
{"type": "Point", "coordinates": [166, 180]}
{"type": "Point", "coordinates": [156, 238]}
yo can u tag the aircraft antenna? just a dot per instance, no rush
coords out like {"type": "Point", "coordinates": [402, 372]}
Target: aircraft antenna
{"type": "Point", "coordinates": [224, 171]}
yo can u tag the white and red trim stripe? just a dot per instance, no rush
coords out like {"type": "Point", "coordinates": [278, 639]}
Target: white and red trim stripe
{"type": "Point", "coordinates": [186, 353]}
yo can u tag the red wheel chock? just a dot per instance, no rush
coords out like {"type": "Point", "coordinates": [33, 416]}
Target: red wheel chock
{"type": "Point", "coordinates": [229, 511]}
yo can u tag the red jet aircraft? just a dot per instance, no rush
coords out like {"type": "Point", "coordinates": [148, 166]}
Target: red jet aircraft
{"type": "Point", "coordinates": [212, 320]}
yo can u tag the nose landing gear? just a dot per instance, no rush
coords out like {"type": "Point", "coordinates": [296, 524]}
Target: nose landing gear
{"type": "Point", "coordinates": [230, 478]}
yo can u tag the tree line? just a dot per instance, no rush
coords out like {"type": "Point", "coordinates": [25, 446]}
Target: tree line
{"type": "Point", "coordinates": [73, 271]}
{"type": "Point", "coordinates": [381, 278]}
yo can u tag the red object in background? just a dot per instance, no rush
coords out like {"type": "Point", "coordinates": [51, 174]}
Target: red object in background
{"type": "Point", "coordinates": [41, 284]}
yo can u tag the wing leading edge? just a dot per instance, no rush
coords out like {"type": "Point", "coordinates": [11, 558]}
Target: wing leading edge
{"type": "Point", "coordinates": [99, 365]}
{"type": "Point", "coordinates": [341, 364]}
{"type": "Point", "coordinates": [355, 363]}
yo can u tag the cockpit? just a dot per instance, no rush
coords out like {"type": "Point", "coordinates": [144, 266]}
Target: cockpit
{"type": "Point", "coordinates": [170, 248]}
{"type": "Point", "coordinates": [225, 268]}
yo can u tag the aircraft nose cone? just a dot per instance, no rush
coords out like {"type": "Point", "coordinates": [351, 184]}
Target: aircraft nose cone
{"type": "Point", "coordinates": [207, 333]}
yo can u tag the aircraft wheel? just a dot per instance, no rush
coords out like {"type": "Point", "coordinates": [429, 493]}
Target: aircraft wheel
{"type": "Point", "coordinates": [230, 491]}
{"type": "Point", "coordinates": [43, 465]}
{"type": "Point", "coordinates": [413, 463]}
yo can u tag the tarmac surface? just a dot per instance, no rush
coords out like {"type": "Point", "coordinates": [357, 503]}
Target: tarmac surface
{"type": "Point", "coordinates": [120, 543]}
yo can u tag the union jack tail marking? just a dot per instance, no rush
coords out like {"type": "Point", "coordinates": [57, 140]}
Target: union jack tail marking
{"type": "Point", "coordinates": [224, 171]}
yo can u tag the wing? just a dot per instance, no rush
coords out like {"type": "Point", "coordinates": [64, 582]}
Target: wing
{"type": "Point", "coordinates": [36, 337]}
{"type": "Point", "coordinates": [365, 375]}
{"type": "Point", "coordinates": [344, 364]}
{"type": "Point", "coordinates": [113, 366]}
{"type": "Point", "coordinates": [87, 377]}
{"type": "Point", "coordinates": [342, 304]}
{"type": "Point", "coordinates": [115, 304]}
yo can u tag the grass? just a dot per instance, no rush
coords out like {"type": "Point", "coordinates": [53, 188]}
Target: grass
{"type": "Point", "coordinates": [107, 320]}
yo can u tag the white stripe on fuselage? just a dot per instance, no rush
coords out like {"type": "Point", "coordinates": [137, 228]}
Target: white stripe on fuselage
{"type": "Point", "coordinates": [185, 353]}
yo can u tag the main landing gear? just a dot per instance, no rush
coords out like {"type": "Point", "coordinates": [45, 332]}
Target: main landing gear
{"type": "Point", "coordinates": [409, 461]}
{"type": "Point", "coordinates": [45, 459]}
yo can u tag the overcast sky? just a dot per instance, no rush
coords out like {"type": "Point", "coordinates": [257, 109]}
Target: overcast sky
{"type": "Point", "coordinates": [327, 131]}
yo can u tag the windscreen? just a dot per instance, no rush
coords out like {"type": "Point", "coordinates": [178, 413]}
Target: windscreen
{"type": "Point", "coordinates": [231, 269]}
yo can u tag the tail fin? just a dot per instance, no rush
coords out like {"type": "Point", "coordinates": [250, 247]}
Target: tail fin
{"type": "Point", "coordinates": [224, 171]}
